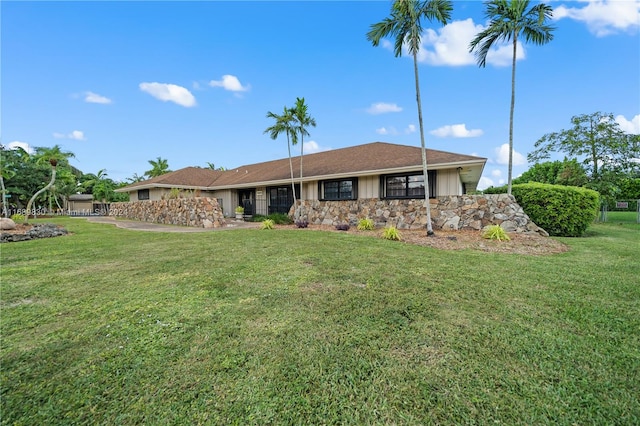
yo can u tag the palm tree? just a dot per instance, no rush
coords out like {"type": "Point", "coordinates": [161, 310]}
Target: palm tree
{"type": "Point", "coordinates": [508, 20]}
{"type": "Point", "coordinates": [285, 123]}
{"type": "Point", "coordinates": [405, 25]}
{"type": "Point", "coordinates": [302, 121]}
{"type": "Point", "coordinates": [159, 167]}
{"type": "Point", "coordinates": [43, 155]}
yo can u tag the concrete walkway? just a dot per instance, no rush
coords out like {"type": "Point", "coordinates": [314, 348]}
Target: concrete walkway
{"type": "Point", "coordinates": [136, 225]}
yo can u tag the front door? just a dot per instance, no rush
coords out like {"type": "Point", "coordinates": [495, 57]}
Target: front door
{"type": "Point", "coordinates": [247, 199]}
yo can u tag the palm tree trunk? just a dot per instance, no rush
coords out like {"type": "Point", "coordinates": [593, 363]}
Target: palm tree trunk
{"type": "Point", "coordinates": [5, 213]}
{"type": "Point", "coordinates": [513, 103]}
{"type": "Point", "coordinates": [301, 154]}
{"type": "Point", "coordinates": [293, 186]}
{"type": "Point", "coordinates": [424, 149]}
{"type": "Point", "coordinates": [53, 179]}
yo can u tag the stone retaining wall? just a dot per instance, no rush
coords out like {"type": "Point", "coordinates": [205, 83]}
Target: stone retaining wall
{"type": "Point", "coordinates": [472, 212]}
{"type": "Point", "coordinates": [199, 212]}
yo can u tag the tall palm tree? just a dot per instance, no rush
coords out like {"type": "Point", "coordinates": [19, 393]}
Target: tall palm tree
{"type": "Point", "coordinates": [302, 121]}
{"type": "Point", "coordinates": [285, 123]}
{"type": "Point", "coordinates": [43, 155]}
{"type": "Point", "coordinates": [508, 20]}
{"type": "Point", "coordinates": [405, 24]}
{"type": "Point", "coordinates": [159, 167]}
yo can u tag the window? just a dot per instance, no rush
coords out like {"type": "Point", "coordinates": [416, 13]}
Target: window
{"type": "Point", "coordinates": [143, 194]}
{"type": "Point", "coordinates": [408, 185]}
{"type": "Point", "coordinates": [343, 189]}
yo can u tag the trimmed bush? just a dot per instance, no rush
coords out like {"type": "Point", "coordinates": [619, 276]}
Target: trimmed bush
{"type": "Point", "coordinates": [564, 211]}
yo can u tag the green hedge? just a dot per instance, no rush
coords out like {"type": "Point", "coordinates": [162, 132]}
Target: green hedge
{"type": "Point", "coordinates": [564, 211]}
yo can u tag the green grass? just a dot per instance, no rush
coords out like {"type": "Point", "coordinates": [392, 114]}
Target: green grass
{"type": "Point", "coordinates": [110, 326]}
{"type": "Point", "coordinates": [622, 217]}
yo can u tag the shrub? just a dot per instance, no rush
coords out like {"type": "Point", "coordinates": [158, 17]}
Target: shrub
{"type": "Point", "coordinates": [301, 223]}
{"type": "Point", "coordinates": [280, 219]}
{"type": "Point", "coordinates": [342, 227]}
{"type": "Point", "coordinates": [564, 211]}
{"type": "Point", "coordinates": [365, 224]}
{"type": "Point", "coordinates": [267, 224]}
{"type": "Point", "coordinates": [17, 217]}
{"type": "Point", "coordinates": [495, 232]}
{"type": "Point", "coordinates": [174, 193]}
{"type": "Point", "coordinates": [391, 233]}
{"type": "Point", "coordinates": [240, 210]}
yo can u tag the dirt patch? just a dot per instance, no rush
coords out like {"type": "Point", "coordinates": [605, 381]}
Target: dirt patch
{"type": "Point", "coordinates": [531, 244]}
{"type": "Point", "coordinates": [26, 232]}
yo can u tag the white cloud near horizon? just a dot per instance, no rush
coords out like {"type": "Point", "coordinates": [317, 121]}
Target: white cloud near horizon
{"type": "Point", "coordinates": [603, 17]}
{"type": "Point", "coordinates": [19, 144]}
{"type": "Point", "coordinates": [449, 46]}
{"type": "Point", "coordinates": [484, 183]}
{"type": "Point", "coordinates": [411, 128]}
{"type": "Point", "coordinates": [629, 126]}
{"type": "Point", "coordinates": [169, 93]}
{"type": "Point", "coordinates": [94, 98]}
{"type": "Point", "coordinates": [311, 147]}
{"type": "Point", "coordinates": [230, 83]}
{"type": "Point", "coordinates": [456, 131]}
{"type": "Point", "coordinates": [383, 108]}
{"type": "Point", "coordinates": [502, 156]}
{"type": "Point", "coordinates": [77, 135]}
{"type": "Point", "coordinates": [496, 173]}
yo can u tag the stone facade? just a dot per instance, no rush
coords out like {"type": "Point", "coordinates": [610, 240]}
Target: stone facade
{"type": "Point", "coordinates": [199, 212]}
{"type": "Point", "coordinates": [472, 212]}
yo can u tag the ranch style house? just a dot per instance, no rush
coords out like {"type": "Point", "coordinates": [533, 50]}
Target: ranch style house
{"type": "Point", "coordinates": [377, 170]}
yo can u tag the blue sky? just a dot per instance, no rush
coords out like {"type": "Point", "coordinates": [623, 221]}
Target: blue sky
{"type": "Point", "coordinates": [121, 83]}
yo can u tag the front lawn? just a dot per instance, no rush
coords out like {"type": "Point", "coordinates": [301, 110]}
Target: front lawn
{"type": "Point", "coordinates": [112, 326]}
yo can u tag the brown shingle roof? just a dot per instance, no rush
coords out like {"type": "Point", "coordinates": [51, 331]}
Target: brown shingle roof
{"type": "Point", "coordinates": [374, 156]}
{"type": "Point", "coordinates": [187, 177]}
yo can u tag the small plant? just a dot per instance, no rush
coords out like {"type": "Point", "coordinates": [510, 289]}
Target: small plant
{"type": "Point", "coordinates": [301, 223]}
{"type": "Point", "coordinates": [240, 210]}
{"type": "Point", "coordinates": [267, 224]}
{"type": "Point", "coordinates": [174, 193]}
{"type": "Point", "coordinates": [17, 217]}
{"type": "Point", "coordinates": [495, 232]}
{"type": "Point", "coordinates": [365, 224]}
{"type": "Point", "coordinates": [342, 227]}
{"type": "Point", "coordinates": [391, 233]}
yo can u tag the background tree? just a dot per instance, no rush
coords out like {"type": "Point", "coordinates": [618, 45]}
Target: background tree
{"type": "Point", "coordinates": [158, 168]}
{"type": "Point", "coordinates": [135, 178]}
{"type": "Point", "coordinates": [212, 166]}
{"type": "Point", "coordinates": [596, 141]}
{"type": "Point", "coordinates": [405, 26]}
{"type": "Point", "coordinates": [509, 20]}
{"type": "Point", "coordinates": [566, 172]}
{"type": "Point", "coordinates": [302, 121]}
{"type": "Point", "coordinates": [285, 123]}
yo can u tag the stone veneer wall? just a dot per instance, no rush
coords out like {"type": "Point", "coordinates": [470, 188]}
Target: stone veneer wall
{"type": "Point", "coordinates": [200, 212]}
{"type": "Point", "coordinates": [472, 212]}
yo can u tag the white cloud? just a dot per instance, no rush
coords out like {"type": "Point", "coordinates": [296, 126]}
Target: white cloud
{"type": "Point", "coordinates": [94, 98]}
{"type": "Point", "coordinates": [449, 45]}
{"type": "Point", "coordinates": [456, 131]}
{"type": "Point", "coordinates": [496, 173]}
{"type": "Point", "coordinates": [310, 147]}
{"type": "Point", "coordinates": [169, 92]}
{"type": "Point", "coordinates": [604, 17]}
{"type": "Point", "coordinates": [229, 82]}
{"type": "Point", "coordinates": [484, 183]}
{"type": "Point", "coordinates": [629, 126]}
{"type": "Point", "coordinates": [382, 131]}
{"type": "Point", "coordinates": [18, 144]}
{"type": "Point", "coordinates": [383, 108]}
{"type": "Point", "coordinates": [411, 128]}
{"type": "Point", "coordinates": [386, 44]}
{"type": "Point", "coordinates": [75, 135]}
{"type": "Point", "coordinates": [502, 156]}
